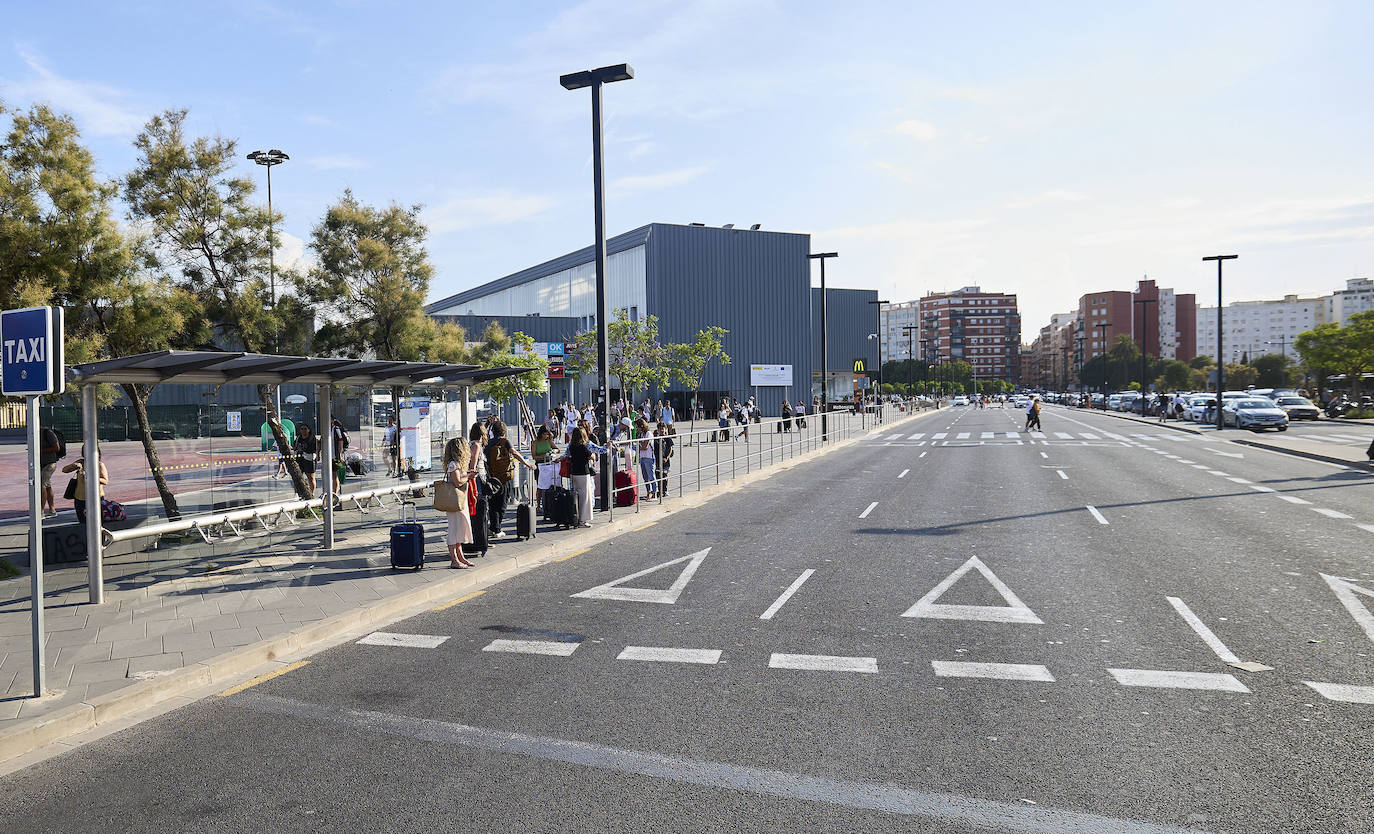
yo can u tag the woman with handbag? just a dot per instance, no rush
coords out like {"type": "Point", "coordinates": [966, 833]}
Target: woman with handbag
{"type": "Point", "coordinates": [581, 471]}
{"type": "Point", "coordinates": [79, 495]}
{"type": "Point", "coordinates": [451, 498]}
{"type": "Point", "coordinates": [546, 456]}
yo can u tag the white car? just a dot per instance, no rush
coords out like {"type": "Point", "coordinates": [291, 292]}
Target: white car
{"type": "Point", "coordinates": [959, 400]}
{"type": "Point", "coordinates": [1196, 410]}
{"type": "Point", "coordinates": [1254, 413]}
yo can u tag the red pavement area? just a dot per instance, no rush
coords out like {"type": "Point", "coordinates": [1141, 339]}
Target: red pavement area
{"type": "Point", "coordinates": [189, 465]}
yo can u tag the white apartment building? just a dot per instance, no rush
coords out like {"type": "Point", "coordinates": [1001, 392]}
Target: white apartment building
{"type": "Point", "coordinates": [1168, 324]}
{"type": "Point", "coordinates": [896, 342]}
{"type": "Point", "coordinates": [1254, 328]}
{"type": "Point", "coordinates": [1357, 297]}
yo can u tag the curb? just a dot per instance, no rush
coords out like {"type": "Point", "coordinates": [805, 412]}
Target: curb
{"type": "Point", "coordinates": [1156, 424]}
{"type": "Point", "coordinates": [315, 637]}
{"type": "Point", "coordinates": [1357, 465]}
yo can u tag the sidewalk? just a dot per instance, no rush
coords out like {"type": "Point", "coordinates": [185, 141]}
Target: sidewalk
{"type": "Point", "coordinates": [174, 623]}
{"type": "Point", "coordinates": [1285, 443]}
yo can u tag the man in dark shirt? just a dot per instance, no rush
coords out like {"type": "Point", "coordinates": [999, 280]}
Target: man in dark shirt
{"type": "Point", "coordinates": [48, 448]}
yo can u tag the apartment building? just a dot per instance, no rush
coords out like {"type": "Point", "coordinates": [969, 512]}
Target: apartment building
{"type": "Point", "coordinates": [969, 325]}
{"type": "Point", "coordinates": [1254, 328]}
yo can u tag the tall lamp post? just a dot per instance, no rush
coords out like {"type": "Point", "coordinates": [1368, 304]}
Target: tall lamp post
{"type": "Point", "coordinates": [825, 358]}
{"type": "Point", "coordinates": [268, 159]}
{"type": "Point", "coordinates": [879, 336]}
{"type": "Point", "coordinates": [1077, 356]}
{"type": "Point", "coordinates": [576, 81]}
{"type": "Point", "coordinates": [1102, 337]}
{"type": "Point", "coordinates": [1221, 367]}
{"type": "Point", "coordinates": [1143, 304]}
{"type": "Point", "coordinates": [909, 329]}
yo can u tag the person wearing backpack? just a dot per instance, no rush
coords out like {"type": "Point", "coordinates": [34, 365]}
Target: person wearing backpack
{"type": "Point", "coordinates": [52, 447]}
{"type": "Point", "coordinates": [502, 458]}
{"type": "Point", "coordinates": [340, 438]}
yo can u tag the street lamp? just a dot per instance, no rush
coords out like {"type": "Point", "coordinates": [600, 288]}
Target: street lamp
{"type": "Point", "coordinates": [879, 337]}
{"type": "Point", "coordinates": [1144, 360]}
{"type": "Point", "coordinates": [1078, 356]}
{"type": "Point", "coordinates": [269, 159]}
{"type": "Point", "coordinates": [576, 81]}
{"type": "Point", "coordinates": [1221, 367]}
{"type": "Point", "coordinates": [1102, 337]}
{"type": "Point", "coordinates": [825, 359]}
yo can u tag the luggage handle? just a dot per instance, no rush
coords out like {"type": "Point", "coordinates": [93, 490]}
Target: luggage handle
{"type": "Point", "coordinates": [413, 512]}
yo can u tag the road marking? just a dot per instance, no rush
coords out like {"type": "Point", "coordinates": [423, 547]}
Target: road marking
{"type": "Point", "coordinates": [1201, 466]}
{"type": "Point", "coordinates": [1258, 488]}
{"type": "Point", "coordinates": [571, 555]}
{"type": "Point", "coordinates": [1061, 474]}
{"type": "Point", "coordinates": [1293, 499]}
{"type": "Point", "coordinates": [1181, 460]}
{"type": "Point", "coordinates": [1063, 435]}
{"type": "Point", "coordinates": [1011, 435]}
{"type": "Point", "coordinates": [1178, 680]}
{"type": "Point", "coordinates": [823, 663]}
{"type": "Point", "coordinates": [999, 671]}
{"type": "Point", "coordinates": [1330, 513]}
{"type": "Point", "coordinates": [465, 598]}
{"type": "Point", "coordinates": [1087, 435]}
{"type": "Point", "coordinates": [865, 513]}
{"type": "Point", "coordinates": [786, 595]}
{"type": "Point", "coordinates": [550, 647]}
{"type": "Point", "coordinates": [950, 809]}
{"type": "Point", "coordinates": [706, 657]}
{"type": "Point", "coordinates": [896, 437]}
{"type": "Point", "coordinates": [939, 435]}
{"type": "Point", "coordinates": [904, 471]}
{"type": "Point", "coordinates": [1045, 456]}
{"type": "Point", "coordinates": [1346, 591]}
{"type": "Point", "coordinates": [1218, 474]}
{"type": "Point", "coordinates": [963, 435]}
{"type": "Point", "coordinates": [408, 641]}
{"type": "Point", "coordinates": [1238, 480]}
{"type": "Point", "coordinates": [1226, 454]}
{"type": "Point", "coordinates": [666, 596]}
{"type": "Point", "coordinates": [923, 454]}
{"type": "Point", "coordinates": [1097, 515]}
{"type": "Point", "coordinates": [988, 435]}
{"type": "Point", "coordinates": [275, 673]}
{"type": "Point", "coordinates": [1015, 611]}
{"type": "Point", "coordinates": [1344, 692]}
{"type": "Point", "coordinates": [1213, 642]}
{"type": "Point", "coordinates": [917, 436]}
{"type": "Point", "coordinates": [1368, 528]}
{"type": "Point", "coordinates": [1038, 435]}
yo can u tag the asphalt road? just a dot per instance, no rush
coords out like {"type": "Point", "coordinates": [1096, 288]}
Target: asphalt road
{"type": "Point", "coordinates": [1072, 600]}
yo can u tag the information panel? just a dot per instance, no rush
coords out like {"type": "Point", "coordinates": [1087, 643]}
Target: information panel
{"type": "Point", "coordinates": [415, 438]}
{"type": "Point", "coordinates": [770, 375]}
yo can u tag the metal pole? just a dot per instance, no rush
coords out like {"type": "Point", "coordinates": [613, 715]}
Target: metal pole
{"type": "Point", "coordinates": [825, 358]}
{"type": "Point", "coordinates": [91, 452]}
{"type": "Point", "coordinates": [1221, 366]}
{"type": "Point", "coordinates": [603, 348]}
{"type": "Point", "coordinates": [36, 546]}
{"type": "Point", "coordinates": [326, 442]}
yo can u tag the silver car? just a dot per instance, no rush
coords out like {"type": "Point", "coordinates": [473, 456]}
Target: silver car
{"type": "Point", "coordinates": [1254, 413]}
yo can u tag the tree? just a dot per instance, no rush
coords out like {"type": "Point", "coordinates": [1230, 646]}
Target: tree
{"type": "Point", "coordinates": [209, 239]}
{"type": "Point", "coordinates": [1273, 370]}
{"type": "Point", "coordinates": [637, 358]}
{"type": "Point", "coordinates": [690, 360]}
{"type": "Point", "coordinates": [1239, 377]}
{"type": "Point", "coordinates": [1174, 376]}
{"type": "Point", "coordinates": [516, 350]}
{"type": "Point", "coordinates": [1200, 362]}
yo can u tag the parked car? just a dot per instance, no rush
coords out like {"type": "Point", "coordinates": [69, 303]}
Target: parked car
{"type": "Point", "coordinates": [1298, 408]}
{"type": "Point", "coordinates": [1254, 413]}
{"type": "Point", "coordinates": [1196, 409]}
{"type": "Point", "coordinates": [959, 400]}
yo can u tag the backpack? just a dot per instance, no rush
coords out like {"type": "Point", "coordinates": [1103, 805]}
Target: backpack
{"type": "Point", "coordinates": [61, 443]}
{"type": "Point", "coordinates": [500, 462]}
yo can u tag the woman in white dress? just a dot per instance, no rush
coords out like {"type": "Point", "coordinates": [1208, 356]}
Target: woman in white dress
{"type": "Point", "coordinates": [457, 473]}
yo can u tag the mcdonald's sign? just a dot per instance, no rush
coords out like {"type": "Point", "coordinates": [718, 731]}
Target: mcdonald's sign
{"type": "Point", "coordinates": [860, 366]}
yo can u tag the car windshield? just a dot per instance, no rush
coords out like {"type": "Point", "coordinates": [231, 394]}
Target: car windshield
{"type": "Point", "coordinates": [1293, 401]}
{"type": "Point", "coordinates": [1254, 404]}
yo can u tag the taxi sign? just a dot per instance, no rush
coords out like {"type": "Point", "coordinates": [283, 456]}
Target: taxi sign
{"type": "Point", "coordinates": [31, 352]}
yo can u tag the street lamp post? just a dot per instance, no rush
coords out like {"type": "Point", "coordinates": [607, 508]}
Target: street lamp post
{"type": "Point", "coordinates": [268, 159]}
{"type": "Point", "coordinates": [1143, 303]}
{"type": "Point", "coordinates": [879, 337]}
{"type": "Point", "coordinates": [825, 359]}
{"type": "Point", "coordinates": [576, 81]}
{"type": "Point", "coordinates": [1102, 337]}
{"type": "Point", "coordinates": [1078, 356]}
{"type": "Point", "coordinates": [1221, 368]}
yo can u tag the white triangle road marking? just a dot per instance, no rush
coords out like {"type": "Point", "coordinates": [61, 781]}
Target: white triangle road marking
{"type": "Point", "coordinates": [667, 596]}
{"type": "Point", "coordinates": [1015, 611]}
{"type": "Point", "coordinates": [1346, 591]}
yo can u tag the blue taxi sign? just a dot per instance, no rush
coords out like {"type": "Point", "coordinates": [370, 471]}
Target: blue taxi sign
{"type": "Point", "coordinates": [31, 361]}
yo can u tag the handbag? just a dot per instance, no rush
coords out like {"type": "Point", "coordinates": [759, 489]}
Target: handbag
{"type": "Point", "coordinates": [565, 468]}
{"type": "Point", "coordinates": [446, 498]}
{"type": "Point", "coordinates": [70, 492]}
{"type": "Point", "coordinates": [111, 510]}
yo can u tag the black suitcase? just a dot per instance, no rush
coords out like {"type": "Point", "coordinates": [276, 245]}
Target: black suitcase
{"type": "Point", "coordinates": [407, 541]}
{"type": "Point", "coordinates": [478, 545]}
{"type": "Point", "coordinates": [524, 520]}
{"type": "Point", "coordinates": [560, 507]}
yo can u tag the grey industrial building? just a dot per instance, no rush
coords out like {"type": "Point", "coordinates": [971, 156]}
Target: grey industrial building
{"type": "Point", "coordinates": [756, 284]}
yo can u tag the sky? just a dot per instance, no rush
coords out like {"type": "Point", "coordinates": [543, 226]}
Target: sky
{"type": "Point", "coordinates": [1046, 149]}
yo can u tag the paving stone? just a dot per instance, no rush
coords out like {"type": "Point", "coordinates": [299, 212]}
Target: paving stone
{"type": "Point", "coordinates": [135, 648]}
{"type": "Point", "coordinates": [129, 631]}
{"type": "Point", "coordinates": [194, 656]}
{"type": "Point", "coordinates": [156, 663]}
{"type": "Point", "coordinates": [230, 637]}
{"type": "Point", "coordinates": [42, 706]}
{"type": "Point", "coordinates": [79, 637]}
{"type": "Point", "coordinates": [53, 624]}
{"type": "Point", "coordinates": [73, 655]}
{"type": "Point", "coordinates": [219, 621]}
{"type": "Point", "coordinates": [186, 642]}
{"type": "Point", "coordinates": [105, 670]}
{"type": "Point", "coordinates": [104, 616]}
{"type": "Point", "coordinates": [253, 619]}
{"type": "Point", "coordinates": [99, 688]}
{"type": "Point", "coordinates": [300, 614]}
{"type": "Point", "coordinates": [158, 628]}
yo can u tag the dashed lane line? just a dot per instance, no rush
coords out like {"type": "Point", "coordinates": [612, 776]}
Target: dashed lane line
{"type": "Point", "coordinates": [1258, 488]}
{"type": "Point", "coordinates": [787, 594]}
{"type": "Point", "coordinates": [548, 647]}
{"type": "Point", "coordinates": [1330, 513]}
{"type": "Point", "coordinates": [1343, 692]}
{"type": "Point", "coordinates": [997, 671]}
{"type": "Point", "coordinates": [823, 663]}
{"type": "Point", "coordinates": [865, 513]}
{"type": "Point", "coordinates": [1061, 474]}
{"type": "Point", "coordinates": [1178, 680]}
{"type": "Point", "coordinates": [904, 471]}
{"type": "Point", "coordinates": [1293, 499]}
{"type": "Point", "coordinates": [704, 657]}
{"type": "Point", "coordinates": [408, 641]}
{"type": "Point", "coordinates": [1097, 515]}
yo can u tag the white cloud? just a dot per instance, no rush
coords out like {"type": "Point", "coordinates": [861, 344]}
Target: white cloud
{"type": "Point", "coordinates": [471, 211]}
{"type": "Point", "coordinates": [654, 182]}
{"type": "Point", "coordinates": [1050, 197]}
{"type": "Point", "coordinates": [916, 129]}
{"type": "Point", "coordinates": [99, 110]}
{"type": "Point", "coordinates": [336, 162]}
{"type": "Point", "coordinates": [291, 252]}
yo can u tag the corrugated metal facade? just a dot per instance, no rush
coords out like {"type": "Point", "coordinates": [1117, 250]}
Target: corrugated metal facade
{"type": "Point", "coordinates": [852, 318]}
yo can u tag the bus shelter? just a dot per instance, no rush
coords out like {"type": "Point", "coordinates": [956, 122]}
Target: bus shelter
{"type": "Point", "coordinates": [216, 368]}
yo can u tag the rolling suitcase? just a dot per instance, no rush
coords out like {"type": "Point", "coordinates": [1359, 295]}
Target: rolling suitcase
{"type": "Point", "coordinates": [407, 541]}
{"type": "Point", "coordinates": [626, 488]}
{"type": "Point", "coordinates": [524, 520]}
{"type": "Point", "coordinates": [560, 507]}
{"type": "Point", "coordinates": [478, 545]}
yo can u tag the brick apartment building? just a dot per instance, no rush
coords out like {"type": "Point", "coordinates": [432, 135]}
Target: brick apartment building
{"type": "Point", "coordinates": [969, 325]}
{"type": "Point", "coordinates": [1163, 325]}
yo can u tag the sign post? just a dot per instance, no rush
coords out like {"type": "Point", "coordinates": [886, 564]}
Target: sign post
{"type": "Point", "coordinates": [31, 354]}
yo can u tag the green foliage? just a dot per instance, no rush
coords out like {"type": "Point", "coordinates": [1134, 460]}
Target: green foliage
{"type": "Point", "coordinates": [1239, 377]}
{"type": "Point", "coordinates": [689, 360]}
{"type": "Point", "coordinates": [1348, 350]}
{"type": "Point", "coordinates": [499, 350]}
{"type": "Point", "coordinates": [1174, 376]}
{"type": "Point", "coordinates": [1274, 370]}
{"type": "Point", "coordinates": [638, 360]}
{"type": "Point", "coordinates": [1201, 362]}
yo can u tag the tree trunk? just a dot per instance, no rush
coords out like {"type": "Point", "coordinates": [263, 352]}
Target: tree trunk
{"type": "Point", "coordinates": [138, 395]}
{"type": "Point", "coordinates": [293, 466]}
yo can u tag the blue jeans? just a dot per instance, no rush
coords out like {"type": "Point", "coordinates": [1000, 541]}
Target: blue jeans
{"type": "Point", "coordinates": [646, 472]}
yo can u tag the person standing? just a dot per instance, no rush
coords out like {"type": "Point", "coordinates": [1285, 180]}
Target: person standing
{"type": "Point", "coordinates": [647, 465]}
{"type": "Point", "coordinates": [459, 475]}
{"type": "Point", "coordinates": [800, 414]}
{"type": "Point", "coordinates": [546, 456]}
{"type": "Point", "coordinates": [340, 440]}
{"type": "Point", "coordinates": [49, 452]}
{"type": "Point", "coordinates": [581, 468]}
{"type": "Point", "coordinates": [502, 459]}
{"type": "Point", "coordinates": [390, 449]}
{"type": "Point", "coordinates": [307, 450]}
{"type": "Point", "coordinates": [79, 467]}
{"type": "Point", "coordinates": [786, 416]}
{"type": "Point", "coordinates": [665, 439]}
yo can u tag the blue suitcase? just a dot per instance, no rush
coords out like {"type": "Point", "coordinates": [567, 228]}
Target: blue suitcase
{"type": "Point", "coordinates": [407, 541]}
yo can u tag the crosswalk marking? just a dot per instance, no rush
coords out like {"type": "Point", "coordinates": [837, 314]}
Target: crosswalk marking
{"type": "Point", "coordinates": [1344, 692]}
{"type": "Point", "coordinates": [707, 657]}
{"type": "Point", "coordinates": [549, 647]}
{"type": "Point", "coordinates": [939, 435]}
{"type": "Point", "coordinates": [1063, 435]}
{"type": "Point", "coordinates": [823, 663]}
{"type": "Point", "coordinates": [1011, 435]}
{"type": "Point", "coordinates": [999, 671]}
{"type": "Point", "coordinates": [988, 435]}
{"type": "Point", "coordinates": [1087, 436]}
{"type": "Point", "coordinates": [410, 641]}
{"type": "Point", "coordinates": [963, 435]}
{"type": "Point", "coordinates": [1178, 680]}
{"type": "Point", "coordinates": [917, 436]}
{"type": "Point", "coordinates": [896, 437]}
{"type": "Point", "coordinates": [1038, 435]}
